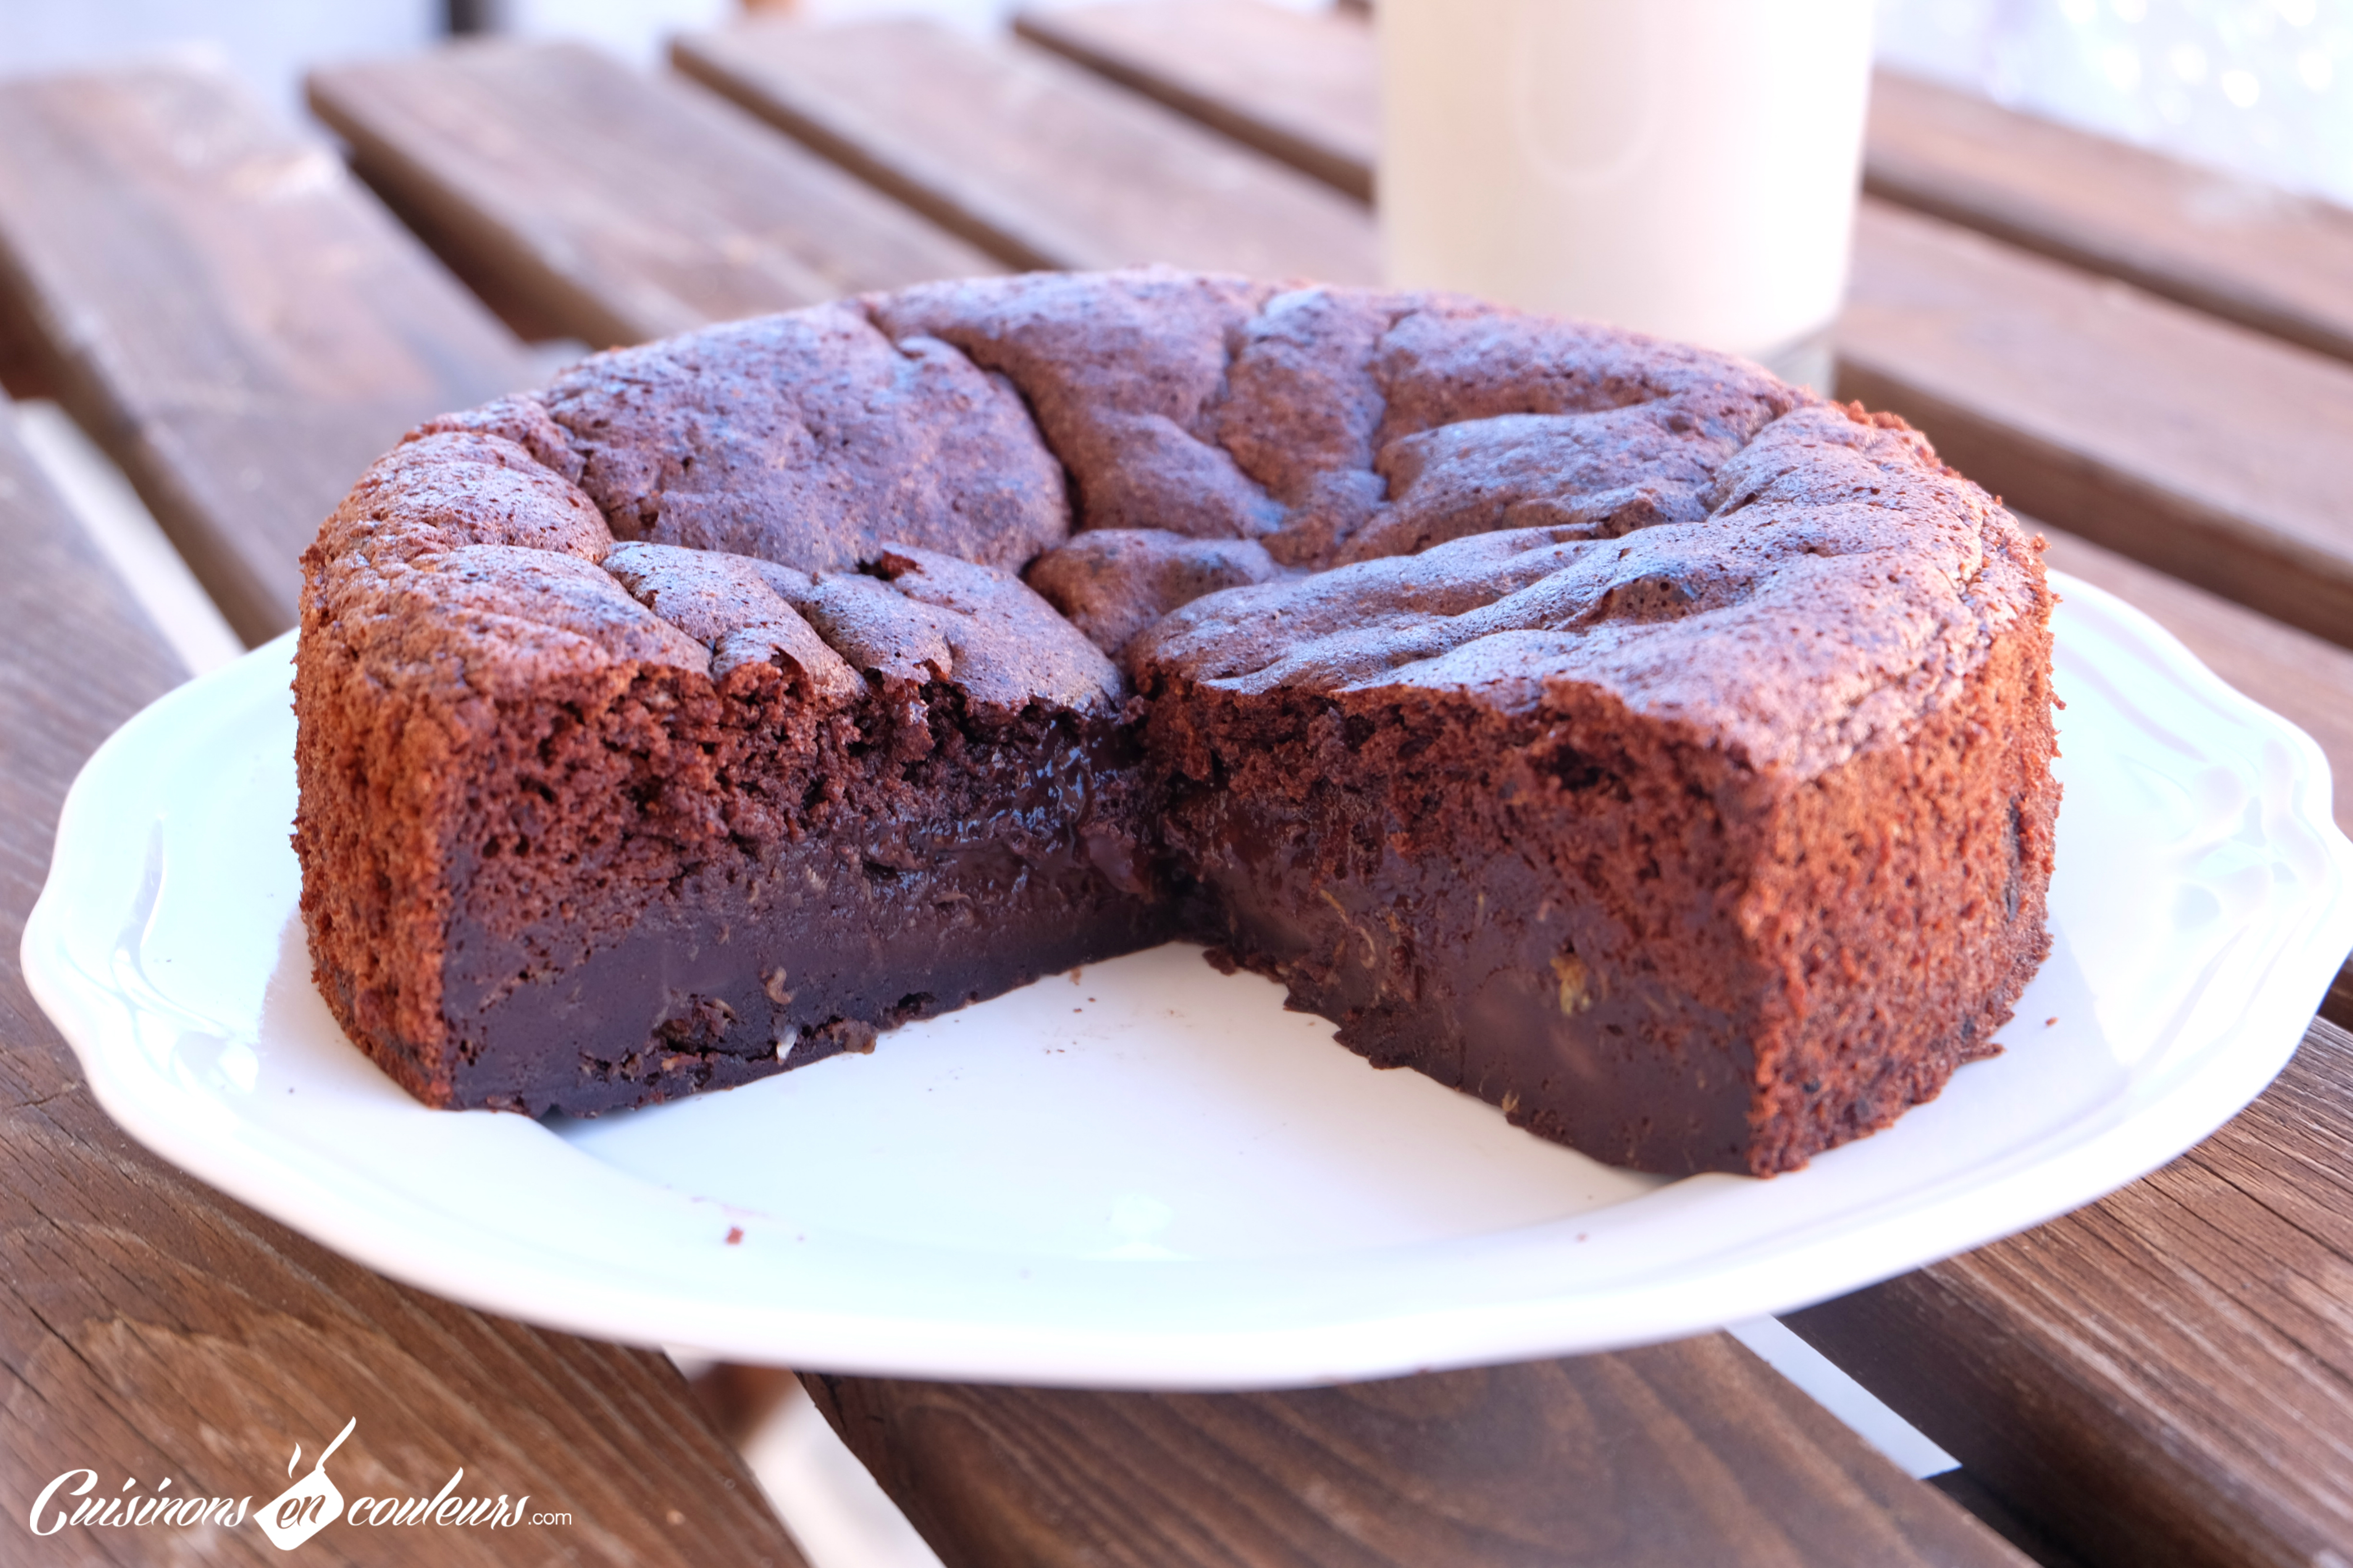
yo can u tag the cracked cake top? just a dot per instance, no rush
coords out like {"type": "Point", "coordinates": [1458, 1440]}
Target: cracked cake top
{"type": "Point", "coordinates": [1216, 481]}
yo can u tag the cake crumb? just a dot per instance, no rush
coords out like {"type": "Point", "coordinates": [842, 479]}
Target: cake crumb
{"type": "Point", "coordinates": [734, 1236]}
{"type": "Point", "coordinates": [2048, 1022]}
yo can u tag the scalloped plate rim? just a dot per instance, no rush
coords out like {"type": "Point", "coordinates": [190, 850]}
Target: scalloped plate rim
{"type": "Point", "coordinates": [286, 1179]}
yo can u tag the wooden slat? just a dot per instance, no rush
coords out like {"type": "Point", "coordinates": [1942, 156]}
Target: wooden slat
{"type": "Point", "coordinates": [152, 1327]}
{"type": "Point", "coordinates": [1301, 85]}
{"type": "Point", "coordinates": [2305, 679]}
{"type": "Point", "coordinates": [238, 323]}
{"type": "Point", "coordinates": [2165, 1376]}
{"type": "Point", "coordinates": [596, 203]}
{"type": "Point", "coordinates": [2199, 447]}
{"type": "Point", "coordinates": [2229, 247]}
{"type": "Point", "coordinates": [1031, 157]}
{"type": "Point", "coordinates": [1684, 1454]}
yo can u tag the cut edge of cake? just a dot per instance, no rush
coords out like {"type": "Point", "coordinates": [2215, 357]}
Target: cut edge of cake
{"type": "Point", "coordinates": [590, 822]}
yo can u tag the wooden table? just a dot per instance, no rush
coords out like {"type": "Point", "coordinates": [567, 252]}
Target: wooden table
{"type": "Point", "coordinates": [2155, 365]}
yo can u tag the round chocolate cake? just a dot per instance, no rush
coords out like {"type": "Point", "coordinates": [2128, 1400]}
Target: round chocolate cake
{"type": "Point", "coordinates": [1598, 725]}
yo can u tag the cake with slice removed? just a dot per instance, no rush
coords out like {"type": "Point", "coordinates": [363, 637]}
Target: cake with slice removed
{"type": "Point", "coordinates": [1596, 724]}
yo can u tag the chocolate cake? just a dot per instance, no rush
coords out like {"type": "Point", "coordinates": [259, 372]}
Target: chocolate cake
{"type": "Point", "coordinates": [1598, 725]}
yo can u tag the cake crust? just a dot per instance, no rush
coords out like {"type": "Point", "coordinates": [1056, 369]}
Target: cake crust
{"type": "Point", "coordinates": [1598, 725]}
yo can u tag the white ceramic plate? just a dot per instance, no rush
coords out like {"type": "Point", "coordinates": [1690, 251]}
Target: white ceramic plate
{"type": "Point", "coordinates": [1148, 1174]}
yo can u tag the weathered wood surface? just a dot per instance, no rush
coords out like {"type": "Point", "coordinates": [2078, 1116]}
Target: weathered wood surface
{"type": "Point", "coordinates": [2199, 447]}
{"type": "Point", "coordinates": [1681, 1454]}
{"type": "Point", "coordinates": [2165, 1376]}
{"type": "Point", "coordinates": [227, 311]}
{"type": "Point", "coordinates": [152, 1327]}
{"type": "Point", "coordinates": [2232, 247]}
{"type": "Point", "coordinates": [592, 201]}
{"type": "Point", "coordinates": [1013, 1474]}
{"type": "Point", "coordinates": [1302, 86]}
{"type": "Point", "coordinates": [1031, 157]}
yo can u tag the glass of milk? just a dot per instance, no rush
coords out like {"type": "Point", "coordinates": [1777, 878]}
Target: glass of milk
{"type": "Point", "coordinates": [1683, 167]}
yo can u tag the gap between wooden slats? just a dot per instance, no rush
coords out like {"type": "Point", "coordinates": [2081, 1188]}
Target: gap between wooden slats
{"type": "Point", "coordinates": [2166, 1375]}
{"type": "Point", "coordinates": [1300, 85]}
{"type": "Point", "coordinates": [2232, 247]}
{"type": "Point", "coordinates": [2202, 448]}
{"type": "Point", "coordinates": [1692, 1452]}
{"type": "Point", "coordinates": [237, 322]}
{"type": "Point", "coordinates": [587, 200]}
{"type": "Point", "coordinates": [1039, 162]}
